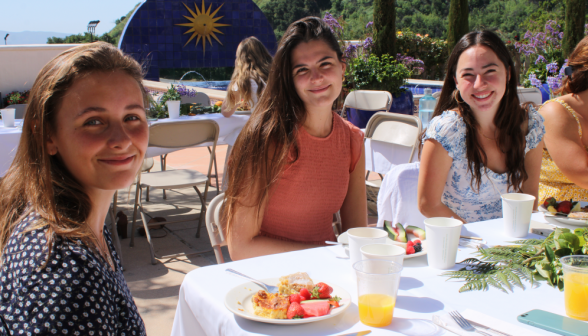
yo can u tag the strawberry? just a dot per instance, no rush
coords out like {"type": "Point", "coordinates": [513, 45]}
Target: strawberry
{"type": "Point", "coordinates": [295, 298]}
{"type": "Point", "coordinates": [417, 242]}
{"type": "Point", "coordinates": [410, 243]}
{"type": "Point", "coordinates": [565, 207]}
{"type": "Point", "coordinates": [410, 250]}
{"type": "Point", "coordinates": [305, 294]}
{"type": "Point", "coordinates": [550, 201]}
{"type": "Point", "coordinates": [334, 301]}
{"type": "Point", "coordinates": [295, 311]}
{"type": "Point", "coordinates": [321, 291]}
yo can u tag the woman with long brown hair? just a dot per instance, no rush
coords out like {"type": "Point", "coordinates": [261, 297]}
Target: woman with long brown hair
{"type": "Point", "coordinates": [252, 66]}
{"type": "Point", "coordinates": [296, 162]}
{"type": "Point", "coordinates": [564, 169]}
{"type": "Point", "coordinates": [84, 136]}
{"type": "Point", "coordinates": [480, 143]}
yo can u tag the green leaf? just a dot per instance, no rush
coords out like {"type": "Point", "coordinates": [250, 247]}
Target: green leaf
{"type": "Point", "coordinates": [549, 253]}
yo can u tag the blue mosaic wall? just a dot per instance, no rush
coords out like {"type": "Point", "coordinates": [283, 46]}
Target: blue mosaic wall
{"type": "Point", "coordinates": [153, 38]}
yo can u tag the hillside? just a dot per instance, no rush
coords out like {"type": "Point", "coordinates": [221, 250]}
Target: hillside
{"type": "Point", "coordinates": [116, 32]}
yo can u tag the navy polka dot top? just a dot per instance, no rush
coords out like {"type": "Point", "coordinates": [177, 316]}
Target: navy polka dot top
{"type": "Point", "coordinates": [76, 293]}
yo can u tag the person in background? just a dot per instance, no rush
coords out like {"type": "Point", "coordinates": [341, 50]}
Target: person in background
{"type": "Point", "coordinates": [480, 143]}
{"type": "Point", "coordinates": [564, 169]}
{"type": "Point", "coordinates": [252, 66]}
{"type": "Point", "coordinates": [84, 136]}
{"type": "Point", "coordinates": [296, 162]}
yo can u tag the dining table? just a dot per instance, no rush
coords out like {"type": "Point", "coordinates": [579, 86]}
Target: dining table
{"type": "Point", "coordinates": [423, 292]}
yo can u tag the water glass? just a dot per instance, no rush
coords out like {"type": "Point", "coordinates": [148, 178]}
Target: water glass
{"type": "Point", "coordinates": [377, 287]}
{"type": "Point", "coordinates": [359, 237]}
{"type": "Point", "coordinates": [384, 252]}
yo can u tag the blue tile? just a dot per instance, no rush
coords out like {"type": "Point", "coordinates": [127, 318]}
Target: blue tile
{"type": "Point", "coordinates": [257, 15]}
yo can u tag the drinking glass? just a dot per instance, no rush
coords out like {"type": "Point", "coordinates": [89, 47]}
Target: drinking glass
{"type": "Point", "coordinates": [575, 269]}
{"type": "Point", "coordinates": [377, 286]}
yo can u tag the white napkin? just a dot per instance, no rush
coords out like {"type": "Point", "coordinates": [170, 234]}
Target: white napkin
{"type": "Point", "coordinates": [339, 251]}
{"type": "Point", "coordinates": [475, 244]}
{"type": "Point", "coordinates": [445, 321]}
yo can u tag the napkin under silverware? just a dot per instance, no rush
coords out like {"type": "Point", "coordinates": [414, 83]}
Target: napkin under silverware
{"type": "Point", "coordinates": [445, 321]}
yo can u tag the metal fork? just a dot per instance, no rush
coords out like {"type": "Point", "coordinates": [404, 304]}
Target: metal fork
{"type": "Point", "coordinates": [464, 324]}
{"type": "Point", "coordinates": [268, 288]}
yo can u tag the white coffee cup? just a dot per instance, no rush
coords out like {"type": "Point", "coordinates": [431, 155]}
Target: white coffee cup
{"type": "Point", "coordinates": [358, 237]}
{"type": "Point", "coordinates": [8, 117]}
{"type": "Point", "coordinates": [442, 241]}
{"type": "Point", "coordinates": [173, 108]}
{"type": "Point", "coordinates": [516, 214]}
{"type": "Point", "coordinates": [384, 252]}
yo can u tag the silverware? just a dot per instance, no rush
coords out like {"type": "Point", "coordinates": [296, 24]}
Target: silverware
{"type": "Point", "coordinates": [332, 243]}
{"type": "Point", "coordinates": [464, 324]}
{"type": "Point", "coordinates": [361, 333]}
{"type": "Point", "coordinates": [474, 238]}
{"type": "Point", "coordinates": [268, 288]}
{"type": "Point", "coordinates": [476, 324]}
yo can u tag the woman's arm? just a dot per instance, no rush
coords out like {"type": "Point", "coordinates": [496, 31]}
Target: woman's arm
{"type": "Point", "coordinates": [563, 143]}
{"type": "Point", "coordinates": [533, 168]}
{"type": "Point", "coordinates": [228, 112]}
{"type": "Point", "coordinates": [433, 171]}
{"type": "Point", "coordinates": [354, 208]}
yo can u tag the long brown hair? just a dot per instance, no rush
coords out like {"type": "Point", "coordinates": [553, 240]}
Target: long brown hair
{"type": "Point", "coordinates": [510, 116]}
{"type": "Point", "coordinates": [268, 140]}
{"type": "Point", "coordinates": [578, 60]}
{"type": "Point", "coordinates": [253, 62]}
{"type": "Point", "coordinates": [37, 181]}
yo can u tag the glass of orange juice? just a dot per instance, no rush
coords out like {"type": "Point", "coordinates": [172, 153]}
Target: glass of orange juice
{"type": "Point", "coordinates": [575, 269]}
{"type": "Point", "coordinates": [377, 286]}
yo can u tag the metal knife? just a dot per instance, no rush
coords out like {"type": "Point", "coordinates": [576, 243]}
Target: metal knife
{"type": "Point", "coordinates": [478, 325]}
{"type": "Point", "coordinates": [361, 333]}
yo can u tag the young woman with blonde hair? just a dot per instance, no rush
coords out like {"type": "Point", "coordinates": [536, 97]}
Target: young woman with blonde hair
{"type": "Point", "coordinates": [480, 143]}
{"type": "Point", "coordinates": [84, 136]}
{"type": "Point", "coordinates": [564, 169]}
{"type": "Point", "coordinates": [252, 66]}
{"type": "Point", "coordinates": [296, 162]}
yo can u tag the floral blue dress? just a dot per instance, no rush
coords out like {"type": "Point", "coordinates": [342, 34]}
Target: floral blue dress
{"type": "Point", "coordinates": [449, 130]}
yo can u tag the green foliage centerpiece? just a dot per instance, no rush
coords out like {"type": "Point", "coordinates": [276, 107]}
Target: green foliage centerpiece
{"type": "Point", "coordinates": [505, 267]}
{"type": "Point", "coordinates": [377, 73]}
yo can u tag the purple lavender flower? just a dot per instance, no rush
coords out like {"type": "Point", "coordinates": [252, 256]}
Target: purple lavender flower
{"type": "Point", "coordinates": [553, 83]}
{"type": "Point", "coordinates": [333, 24]}
{"type": "Point", "coordinates": [368, 44]}
{"type": "Point", "coordinates": [534, 81]}
{"type": "Point", "coordinates": [560, 35]}
{"type": "Point", "coordinates": [552, 67]}
{"type": "Point", "coordinates": [184, 91]}
{"type": "Point", "coordinates": [540, 59]}
{"type": "Point", "coordinates": [350, 51]}
{"type": "Point", "coordinates": [369, 24]}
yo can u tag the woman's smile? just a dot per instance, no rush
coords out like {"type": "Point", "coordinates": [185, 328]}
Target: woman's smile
{"type": "Point", "coordinates": [320, 89]}
{"type": "Point", "coordinates": [118, 160]}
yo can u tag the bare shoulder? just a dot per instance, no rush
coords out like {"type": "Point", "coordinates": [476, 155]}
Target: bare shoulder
{"type": "Point", "coordinates": [553, 111]}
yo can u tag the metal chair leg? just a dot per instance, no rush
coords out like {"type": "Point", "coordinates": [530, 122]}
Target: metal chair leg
{"type": "Point", "coordinates": [163, 168]}
{"type": "Point", "coordinates": [202, 211]}
{"type": "Point", "coordinates": [115, 237]}
{"type": "Point", "coordinates": [215, 169]}
{"type": "Point", "coordinates": [142, 213]}
{"type": "Point", "coordinates": [138, 193]}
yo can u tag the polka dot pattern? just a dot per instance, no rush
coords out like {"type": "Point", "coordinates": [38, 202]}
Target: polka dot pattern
{"type": "Point", "coordinates": [76, 293]}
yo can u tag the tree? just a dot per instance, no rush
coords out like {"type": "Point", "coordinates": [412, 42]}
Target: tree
{"type": "Point", "coordinates": [281, 13]}
{"type": "Point", "coordinates": [458, 22]}
{"type": "Point", "coordinates": [384, 27]}
{"type": "Point", "coordinates": [574, 27]}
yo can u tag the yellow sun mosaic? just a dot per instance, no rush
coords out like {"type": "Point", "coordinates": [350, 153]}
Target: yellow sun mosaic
{"type": "Point", "coordinates": [203, 24]}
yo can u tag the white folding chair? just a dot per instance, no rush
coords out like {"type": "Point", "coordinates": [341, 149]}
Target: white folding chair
{"type": "Point", "coordinates": [177, 134]}
{"type": "Point", "coordinates": [393, 139]}
{"type": "Point", "coordinates": [368, 100]}
{"type": "Point", "coordinates": [215, 228]}
{"type": "Point", "coordinates": [530, 95]}
{"type": "Point", "coordinates": [199, 98]}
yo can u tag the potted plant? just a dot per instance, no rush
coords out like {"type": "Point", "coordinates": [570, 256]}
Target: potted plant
{"type": "Point", "coordinates": [18, 101]}
{"type": "Point", "coordinates": [172, 100]}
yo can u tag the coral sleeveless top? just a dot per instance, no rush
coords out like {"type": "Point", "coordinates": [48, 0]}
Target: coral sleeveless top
{"type": "Point", "coordinates": [552, 181]}
{"type": "Point", "coordinates": [309, 191]}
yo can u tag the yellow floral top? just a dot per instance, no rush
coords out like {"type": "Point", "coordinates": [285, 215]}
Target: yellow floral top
{"type": "Point", "coordinates": [552, 181]}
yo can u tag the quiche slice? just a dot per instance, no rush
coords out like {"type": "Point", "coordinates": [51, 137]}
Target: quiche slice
{"type": "Point", "coordinates": [272, 306]}
{"type": "Point", "coordinates": [293, 283]}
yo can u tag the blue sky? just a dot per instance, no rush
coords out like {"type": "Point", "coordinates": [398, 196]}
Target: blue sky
{"type": "Point", "coordinates": [62, 16]}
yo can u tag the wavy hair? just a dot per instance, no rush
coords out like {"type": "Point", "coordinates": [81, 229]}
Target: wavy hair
{"type": "Point", "coordinates": [578, 60]}
{"type": "Point", "coordinates": [510, 116]}
{"type": "Point", "coordinates": [39, 182]}
{"type": "Point", "coordinates": [253, 62]}
{"type": "Point", "coordinates": [268, 139]}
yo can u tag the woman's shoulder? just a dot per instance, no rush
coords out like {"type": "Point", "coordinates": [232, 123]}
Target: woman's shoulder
{"type": "Point", "coordinates": [353, 130]}
{"type": "Point", "coordinates": [535, 129]}
{"type": "Point", "coordinates": [449, 130]}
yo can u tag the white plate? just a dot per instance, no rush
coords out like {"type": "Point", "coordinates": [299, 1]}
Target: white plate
{"type": "Point", "coordinates": [557, 219]}
{"type": "Point", "coordinates": [343, 239]}
{"type": "Point", "coordinates": [238, 301]}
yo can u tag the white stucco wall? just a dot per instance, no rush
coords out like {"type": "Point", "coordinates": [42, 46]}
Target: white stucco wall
{"type": "Point", "coordinates": [20, 64]}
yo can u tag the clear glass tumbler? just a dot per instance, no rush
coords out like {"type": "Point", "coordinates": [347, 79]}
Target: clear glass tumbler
{"type": "Point", "coordinates": [377, 286]}
{"type": "Point", "coordinates": [575, 269]}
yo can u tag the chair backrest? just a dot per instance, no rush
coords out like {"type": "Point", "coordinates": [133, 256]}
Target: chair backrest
{"type": "Point", "coordinates": [199, 98]}
{"type": "Point", "coordinates": [182, 133]}
{"type": "Point", "coordinates": [214, 226]}
{"type": "Point", "coordinates": [530, 95]}
{"type": "Point", "coordinates": [394, 139]}
{"type": "Point", "coordinates": [368, 100]}
{"type": "Point", "coordinates": [436, 95]}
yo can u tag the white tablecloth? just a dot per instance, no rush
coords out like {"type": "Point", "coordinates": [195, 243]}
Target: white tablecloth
{"type": "Point", "coordinates": [422, 292]}
{"type": "Point", "coordinates": [9, 138]}
{"type": "Point", "coordinates": [229, 129]}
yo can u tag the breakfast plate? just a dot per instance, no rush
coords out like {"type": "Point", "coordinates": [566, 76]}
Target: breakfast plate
{"type": "Point", "coordinates": [238, 301]}
{"type": "Point", "coordinates": [562, 218]}
{"type": "Point", "coordinates": [343, 239]}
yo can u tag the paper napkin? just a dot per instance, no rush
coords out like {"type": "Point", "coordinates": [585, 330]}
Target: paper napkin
{"type": "Point", "coordinates": [445, 321]}
{"type": "Point", "coordinates": [338, 251]}
{"type": "Point", "coordinates": [475, 244]}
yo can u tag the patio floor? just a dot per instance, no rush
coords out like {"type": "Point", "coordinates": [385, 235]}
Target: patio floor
{"type": "Point", "coordinates": [155, 288]}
